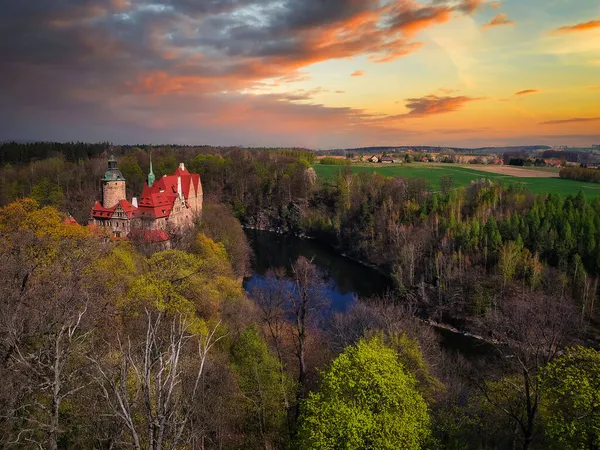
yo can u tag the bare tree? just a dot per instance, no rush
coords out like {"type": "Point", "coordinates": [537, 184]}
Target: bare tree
{"type": "Point", "coordinates": [45, 331]}
{"type": "Point", "coordinates": [56, 377]}
{"type": "Point", "coordinates": [533, 329]}
{"type": "Point", "coordinates": [304, 300]}
{"type": "Point", "coordinates": [156, 407]}
{"type": "Point", "coordinates": [272, 302]}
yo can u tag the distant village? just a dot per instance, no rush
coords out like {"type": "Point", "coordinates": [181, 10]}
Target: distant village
{"type": "Point", "coordinates": [559, 156]}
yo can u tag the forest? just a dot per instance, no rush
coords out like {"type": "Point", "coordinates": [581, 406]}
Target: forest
{"type": "Point", "coordinates": [106, 345]}
{"type": "Point", "coordinates": [581, 174]}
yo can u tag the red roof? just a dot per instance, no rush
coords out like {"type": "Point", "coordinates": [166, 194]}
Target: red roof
{"type": "Point", "coordinates": [100, 212]}
{"type": "Point", "coordinates": [156, 201]}
{"type": "Point", "coordinates": [150, 235]}
{"type": "Point", "coordinates": [129, 209]}
{"type": "Point", "coordinates": [70, 220]}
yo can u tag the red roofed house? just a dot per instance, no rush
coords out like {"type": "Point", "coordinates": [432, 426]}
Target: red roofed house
{"type": "Point", "coordinates": [70, 220]}
{"type": "Point", "coordinates": [165, 206]}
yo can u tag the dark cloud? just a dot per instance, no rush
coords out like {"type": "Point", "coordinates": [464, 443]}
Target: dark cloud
{"type": "Point", "coordinates": [113, 64]}
{"type": "Point", "coordinates": [410, 18]}
{"type": "Point", "coordinates": [311, 13]}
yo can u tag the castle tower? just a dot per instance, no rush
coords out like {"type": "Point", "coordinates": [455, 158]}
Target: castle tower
{"type": "Point", "coordinates": [113, 184]}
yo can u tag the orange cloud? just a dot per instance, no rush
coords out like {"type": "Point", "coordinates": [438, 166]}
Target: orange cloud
{"type": "Point", "coordinates": [121, 4]}
{"type": "Point", "coordinates": [595, 88]}
{"type": "Point", "coordinates": [469, 6]}
{"type": "Point", "coordinates": [357, 73]}
{"type": "Point", "coordinates": [429, 105]}
{"type": "Point", "coordinates": [417, 23]}
{"type": "Point", "coordinates": [161, 83]}
{"type": "Point", "coordinates": [495, 5]}
{"type": "Point", "coordinates": [579, 27]}
{"type": "Point", "coordinates": [527, 92]}
{"type": "Point", "coordinates": [433, 104]}
{"type": "Point", "coordinates": [573, 120]}
{"type": "Point", "coordinates": [500, 19]}
{"type": "Point", "coordinates": [410, 20]}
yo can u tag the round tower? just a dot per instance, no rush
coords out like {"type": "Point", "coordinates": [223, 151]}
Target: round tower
{"type": "Point", "coordinates": [113, 184]}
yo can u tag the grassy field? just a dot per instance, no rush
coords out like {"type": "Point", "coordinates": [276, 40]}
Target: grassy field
{"type": "Point", "coordinates": [464, 175]}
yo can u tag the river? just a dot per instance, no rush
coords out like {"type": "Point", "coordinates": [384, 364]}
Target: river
{"type": "Point", "coordinates": [345, 279]}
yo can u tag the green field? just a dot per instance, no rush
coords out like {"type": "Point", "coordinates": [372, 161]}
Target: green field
{"type": "Point", "coordinates": [463, 176]}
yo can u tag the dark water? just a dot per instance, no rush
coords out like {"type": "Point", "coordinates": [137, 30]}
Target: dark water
{"type": "Point", "coordinates": [345, 280]}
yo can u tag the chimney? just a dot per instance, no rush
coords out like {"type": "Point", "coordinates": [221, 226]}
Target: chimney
{"type": "Point", "coordinates": [181, 166]}
{"type": "Point", "coordinates": [134, 202]}
{"type": "Point", "coordinates": [179, 192]}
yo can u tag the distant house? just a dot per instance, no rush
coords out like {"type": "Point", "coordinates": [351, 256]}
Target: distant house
{"type": "Point", "coordinates": [373, 159]}
{"type": "Point", "coordinates": [387, 160]}
{"type": "Point", "coordinates": [70, 220]}
{"type": "Point", "coordinates": [553, 162]}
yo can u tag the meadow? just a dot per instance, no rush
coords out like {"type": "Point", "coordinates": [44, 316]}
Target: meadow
{"type": "Point", "coordinates": [463, 176]}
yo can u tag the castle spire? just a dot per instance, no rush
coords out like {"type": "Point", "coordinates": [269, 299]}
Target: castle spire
{"type": "Point", "coordinates": [151, 176]}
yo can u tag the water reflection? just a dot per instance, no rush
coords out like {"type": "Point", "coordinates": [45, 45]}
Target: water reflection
{"type": "Point", "coordinates": [345, 280]}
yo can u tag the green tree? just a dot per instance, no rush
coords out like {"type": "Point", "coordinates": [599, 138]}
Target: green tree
{"type": "Point", "coordinates": [259, 377]}
{"type": "Point", "coordinates": [133, 173]}
{"type": "Point", "coordinates": [367, 400]}
{"type": "Point", "coordinates": [219, 224]}
{"type": "Point", "coordinates": [47, 193]}
{"type": "Point", "coordinates": [343, 184]}
{"type": "Point", "coordinates": [571, 406]}
{"type": "Point", "coordinates": [509, 260]}
{"type": "Point", "coordinates": [446, 184]}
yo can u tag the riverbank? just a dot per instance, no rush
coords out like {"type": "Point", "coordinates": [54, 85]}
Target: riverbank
{"type": "Point", "coordinates": [283, 232]}
{"type": "Point", "coordinates": [347, 279]}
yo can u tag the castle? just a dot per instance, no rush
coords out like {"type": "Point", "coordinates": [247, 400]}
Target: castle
{"type": "Point", "coordinates": [166, 206]}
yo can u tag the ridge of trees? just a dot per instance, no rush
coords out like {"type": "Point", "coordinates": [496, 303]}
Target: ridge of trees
{"type": "Point", "coordinates": [580, 174]}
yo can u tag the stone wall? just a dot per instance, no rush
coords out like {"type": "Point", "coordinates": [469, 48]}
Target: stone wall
{"type": "Point", "coordinates": [195, 198]}
{"type": "Point", "coordinates": [120, 228]}
{"type": "Point", "coordinates": [181, 216]}
{"type": "Point", "coordinates": [112, 192]}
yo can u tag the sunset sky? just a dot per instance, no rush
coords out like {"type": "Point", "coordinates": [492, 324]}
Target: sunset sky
{"type": "Point", "coordinates": [310, 73]}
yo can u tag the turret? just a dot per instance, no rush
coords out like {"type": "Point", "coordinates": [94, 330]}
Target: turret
{"type": "Point", "coordinates": [113, 184]}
